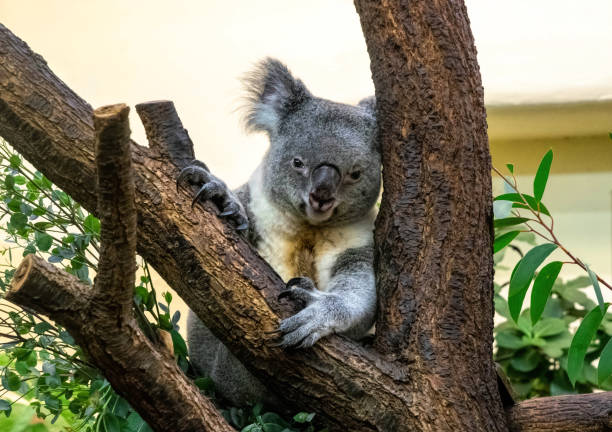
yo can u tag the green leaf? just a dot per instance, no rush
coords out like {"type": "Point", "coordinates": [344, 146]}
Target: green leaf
{"type": "Point", "coordinates": [510, 168]}
{"type": "Point", "coordinates": [509, 221]}
{"type": "Point", "coordinates": [111, 423]}
{"type": "Point", "coordinates": [604, 369]}
{"type": "Point", "coordinates": [141, 294]}
{"type": "Point", "coordinates": [18, 220]}
{"type": "Point", "coordinates": [542, 286]}
{"type": "Point", "coordinates": [168, 297]}
{"type": "Point", "coordinates": [92, 224]}
{"type": "Point", "coordinates": [22, 368]}
{"type": "Point", "coordinates": [15, 161]}
{"type": "Point", "coordinates": [303, 417]}
{"type": "Point", "coordinates": [65, 336]}
{"type": "Point", "coordinates": [271, 427]}
{"type": "Point", "coordinates": [541, 177]}
{"type": "Point", "coordinates": [526, 362]}
{"type": "Point", "coordinates": [271, 417]}
{"type": "Point", "coordinates": [523, 273]}
{"type": "Point", "coordinates": [43, 241]}
{"type": "Point", "coordinates": [504, 240]}
{"type": "Point", "coordinates": [519, 203]}
{"type": "Point", "coordinates": [4, 405]}
{"type": "Point", "coordinates": [596, 287]}
{"type": "Point", "coordinates": [31, 360]}
{"type": "Point", "coordinates": [180, 348]}
{"type": "Point", "coordinates": [14, 205]}
{"type": "Point", "coordinates": [205, 384]}
{"type": "Point", "coordinates": [13, 381]}
{"type": "Point", "coordinates": [581, 341]}
{"type": "Point", "coordinates": [549, 327]}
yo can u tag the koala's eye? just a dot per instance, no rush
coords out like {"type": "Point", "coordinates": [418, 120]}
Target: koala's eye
{"type": "Point", "coordinates": [355, 175]}
{"type": "Point", "coordinates": [297, 163]}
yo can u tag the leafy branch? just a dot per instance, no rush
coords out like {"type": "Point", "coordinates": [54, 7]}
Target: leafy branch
{"type": "Point", "coordinates": [540, 222]}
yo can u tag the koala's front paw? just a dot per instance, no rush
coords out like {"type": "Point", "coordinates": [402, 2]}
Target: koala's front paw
{"type": "Point", "coordinates": [321, 317]}
{"type": "Point", "coordinates": [215, 190]}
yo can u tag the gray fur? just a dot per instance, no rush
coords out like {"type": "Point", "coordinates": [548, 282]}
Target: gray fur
{"type": "Point", "coordinates": [316, 133]}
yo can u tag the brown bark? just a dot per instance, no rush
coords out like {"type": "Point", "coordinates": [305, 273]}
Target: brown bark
{"type": "Point", "coordinates": [571, 413]}
{"type": "Point", "coordinates": [433, 233]}
{"type": "Point", "coordinates": [100, 318]}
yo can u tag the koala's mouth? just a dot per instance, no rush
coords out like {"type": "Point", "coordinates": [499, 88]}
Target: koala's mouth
{"type": "Point", "coordinates": [317, 211]}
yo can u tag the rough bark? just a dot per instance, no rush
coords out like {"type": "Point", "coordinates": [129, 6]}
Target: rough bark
{"type": "Point", "coordinates": [433, 233]}
{"type": "Point", "coordinates": [100, 318]}
{"type": "Point", "coordinates": [165, 132]}
{"type": "Point", "coordinates": [584, 413]}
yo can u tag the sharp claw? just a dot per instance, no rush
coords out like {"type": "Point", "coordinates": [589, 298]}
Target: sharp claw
{"type": "Point", "coordinates": [198, 195]}
{"type": "Point", "coordinates": [227, 213]}
{"type": "Point", "coordinates": [242, 227]}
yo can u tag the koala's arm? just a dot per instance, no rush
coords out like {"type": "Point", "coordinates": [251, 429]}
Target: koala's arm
{"type": "Point", "coordinates": [348, 306]}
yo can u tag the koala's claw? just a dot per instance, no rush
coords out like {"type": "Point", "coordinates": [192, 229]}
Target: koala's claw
{"type": "Point", "coordinates": [210, 190]}
{"type": "Point", "coordinates": [243, 227]}
{"type": "Point", "coordinates": [213, 189]}
{"type": "Point", "coordinates": [194, 174]}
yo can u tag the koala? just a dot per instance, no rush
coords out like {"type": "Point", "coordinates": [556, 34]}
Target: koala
{"type": "Point", "coordinates": [308, 209]}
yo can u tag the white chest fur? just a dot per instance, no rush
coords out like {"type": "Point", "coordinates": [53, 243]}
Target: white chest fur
{"type": "Point", "coordinates": [293, 248]}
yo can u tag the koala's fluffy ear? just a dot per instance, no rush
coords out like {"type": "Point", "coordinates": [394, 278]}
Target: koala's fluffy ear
{"type": "Point", "coordinates": [369, 104]}
{"type": "Point", "coordinates": [272, 93]}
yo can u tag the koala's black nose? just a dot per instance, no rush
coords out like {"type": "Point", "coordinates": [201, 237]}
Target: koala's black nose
{"type": "Point", "coordinates": [324, 182]}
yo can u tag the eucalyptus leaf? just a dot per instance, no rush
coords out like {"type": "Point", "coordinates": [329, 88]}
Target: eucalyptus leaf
{"type": "Point", "coordinates": [542, 286]}
{"type": "Point", "coordinates": [523, 274]}
{"type": "Point", "coordinates": [604, 368]}
{"type": "Point", "coordinates": [523, 201]}
{"type": "Point", "coordinates": [504, 240]}
{"type": "Point", "coordinates": [581, 341]}
{"type": "Point", "coordinates": [509, 221]}
{"type": "Point", "coordinates": [596, 287]}
{"type": "Point", "coordinates": [541, 177]}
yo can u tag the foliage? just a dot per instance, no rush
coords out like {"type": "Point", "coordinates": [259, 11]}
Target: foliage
{"type": "Point", "coordinates": [39, 360]}
{"type": "Point", "coordinates": [254, 420]}
{"type": "Point", "coordinates": [537, 346]}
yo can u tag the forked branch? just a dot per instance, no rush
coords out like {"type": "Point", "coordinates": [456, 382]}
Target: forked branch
{"type": "Point", "coordinates": [100, 318]}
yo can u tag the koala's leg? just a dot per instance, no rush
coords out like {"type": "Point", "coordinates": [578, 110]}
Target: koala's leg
{"type": "Point", "coordinates": [211, 358]}
{"type": "Point", "coordinates": [348, 306]}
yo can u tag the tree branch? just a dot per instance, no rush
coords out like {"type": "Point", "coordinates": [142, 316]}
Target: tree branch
{"type": "Point", "coordinates": [165, 132]}
{"type": "Point", "coordinates": [585, 413]}
{"type": "Point", "coordinates": [100, 319]}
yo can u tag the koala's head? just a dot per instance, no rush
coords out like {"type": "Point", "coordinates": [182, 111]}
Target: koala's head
{"type": "Point", "coordinates": [323, 165]}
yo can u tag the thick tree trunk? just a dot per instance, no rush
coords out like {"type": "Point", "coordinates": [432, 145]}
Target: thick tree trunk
{"type": "Point", "coordinates": [432, 367]}
{"type": "Point", "coordinates": [434, 232]}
